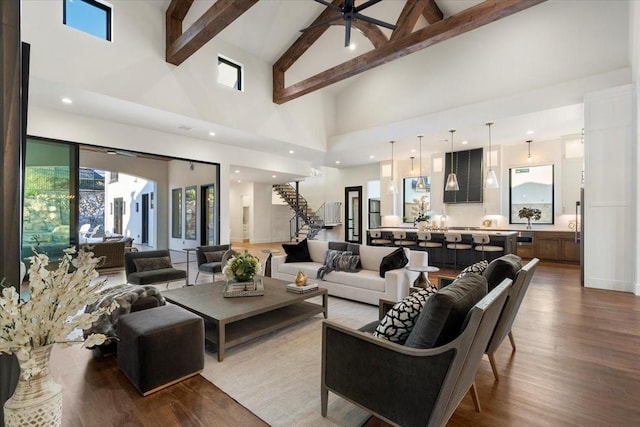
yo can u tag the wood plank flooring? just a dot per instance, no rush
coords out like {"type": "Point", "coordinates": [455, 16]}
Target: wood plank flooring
{"type": "Point", "coordinates": [577, 364]}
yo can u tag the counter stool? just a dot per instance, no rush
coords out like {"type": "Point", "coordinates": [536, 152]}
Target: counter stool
{"type": "Point", "coordinates": [453, 241]}
{"type": "Point", "coordinates": [481, 244]}
{"type": "Point", "coordinates": [424, 241]}
{"type": "Point", "coordinates": [377, 240]}
{"type": "Point", "coordinates": [400, 239]}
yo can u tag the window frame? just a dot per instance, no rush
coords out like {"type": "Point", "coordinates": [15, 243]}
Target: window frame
{"type": "Point", "coordinates": [239, 72]}
{"type": "Point", "coordinates": [103, 6]}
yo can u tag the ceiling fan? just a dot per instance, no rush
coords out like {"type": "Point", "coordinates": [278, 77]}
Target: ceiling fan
{"type": "Point", "coordinates": [349, 11]}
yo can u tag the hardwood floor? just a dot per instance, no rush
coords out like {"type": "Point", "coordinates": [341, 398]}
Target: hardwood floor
{"type": "Point", "coordinates": [577, 363]}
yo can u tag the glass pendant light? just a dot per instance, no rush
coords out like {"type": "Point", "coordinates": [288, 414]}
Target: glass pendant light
{"type": "Point", "coordinates": [452, 179]}
{"type": "Point", "coordinates": [490, 181]}
{"type": "Point", "coordinates": [529, 155]}
{"type": "Point", "coordinates": [421, 186]}
{"type": "Point", "coordinates": [392, 189]}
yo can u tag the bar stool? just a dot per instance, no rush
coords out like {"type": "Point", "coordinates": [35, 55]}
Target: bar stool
{"type": "Point", "coordinates": [376, 238]}
{"type": "Point", "coordinates": [424, 241]}
{"type": "Point", "coordinates": [400, 239]}
{"type": "Point", "coordinates": [481, 242]}
{"type": "Point", "coordinates": [454, 242]}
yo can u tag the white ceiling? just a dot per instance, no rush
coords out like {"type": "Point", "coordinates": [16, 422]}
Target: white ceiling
{"type": "Point", "coordinates": [267, 39]}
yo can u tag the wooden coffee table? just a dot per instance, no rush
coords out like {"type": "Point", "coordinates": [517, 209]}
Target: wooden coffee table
{"type": "Point", "coordinates": [232, 321]}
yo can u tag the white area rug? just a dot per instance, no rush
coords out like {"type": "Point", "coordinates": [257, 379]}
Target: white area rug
{"type": "Point", "coordinates": [277, 377]}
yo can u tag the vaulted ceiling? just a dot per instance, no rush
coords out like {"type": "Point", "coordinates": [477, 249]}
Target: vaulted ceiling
{"type": "Point", "coordinates": [405, 38]}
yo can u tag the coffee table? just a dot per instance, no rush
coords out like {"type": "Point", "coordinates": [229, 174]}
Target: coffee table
{"type": "Point", "coordinates": [232, 321]}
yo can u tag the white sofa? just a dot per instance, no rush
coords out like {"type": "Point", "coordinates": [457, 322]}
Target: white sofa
{"type": "Point", "coordinates": [366, 285]}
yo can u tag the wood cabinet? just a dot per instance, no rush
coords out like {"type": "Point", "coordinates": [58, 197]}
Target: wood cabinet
{"type": "Point", "coordinates": [556, 246]}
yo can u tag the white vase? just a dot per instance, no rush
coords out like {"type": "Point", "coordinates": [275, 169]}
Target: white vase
{"type": "Point", "coordinates": [37, 401]}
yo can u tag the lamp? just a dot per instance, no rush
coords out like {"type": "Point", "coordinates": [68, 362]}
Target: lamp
{"type": "Point", "coordinates": [412, 171]}
{"type": "Point", "coordinates": [490, 181]}
{"type": "Point", "coordinates": [421, 186]}
{"type": "Point", "coordinates": [392, 189]}
{"type": "Point", "coordinates": [452, 179]}
{"type": "Point", "coordinates": [529, 155]}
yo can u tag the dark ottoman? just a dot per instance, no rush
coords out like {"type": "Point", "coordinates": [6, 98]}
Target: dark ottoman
{"type": "Point", "coordinates": [160, 347]}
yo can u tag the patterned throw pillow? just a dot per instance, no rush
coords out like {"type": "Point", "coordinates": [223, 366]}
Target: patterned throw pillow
{"type": "Point", "coordinates": [478, 268]}
{"type": "Point", "coordinates": [397, 324]}
{"type": "Point", "coordinates": [348, 262]}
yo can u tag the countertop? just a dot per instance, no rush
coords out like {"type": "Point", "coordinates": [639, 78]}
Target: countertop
{"type": "Point", "coordinates": [461, 230]}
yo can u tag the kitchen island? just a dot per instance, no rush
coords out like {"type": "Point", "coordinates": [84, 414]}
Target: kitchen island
{"type": "Point", "coordinates": [442, 256]}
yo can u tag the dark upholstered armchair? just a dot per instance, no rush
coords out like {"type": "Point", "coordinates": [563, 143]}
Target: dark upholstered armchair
{"type": "Point", "coordinates": [209, 258]}
{"type": "Point", "coordinates": [510, 311]}
{"type": "Point", "coordinates": [404, 384]}
{"type": "Point", "coordinates": [149, 267]}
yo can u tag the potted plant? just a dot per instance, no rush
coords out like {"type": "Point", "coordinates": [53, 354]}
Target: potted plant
{"type": "Point", "coordinates": [242, 268]}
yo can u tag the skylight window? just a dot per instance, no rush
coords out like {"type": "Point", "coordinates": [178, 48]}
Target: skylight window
{"type": "Point", "coordinates": [229, 73]}
{"type": "Point", "coordinates": [89, 16]}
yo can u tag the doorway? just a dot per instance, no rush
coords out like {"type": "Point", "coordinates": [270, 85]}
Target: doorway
{"type": "Point", "coordinates": [353, 214]}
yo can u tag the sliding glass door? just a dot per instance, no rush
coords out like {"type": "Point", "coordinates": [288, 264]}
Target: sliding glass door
{"type": "Point", "coordinates": [50, 193]}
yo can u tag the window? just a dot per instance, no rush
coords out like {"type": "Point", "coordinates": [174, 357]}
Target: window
{"type": "Point", "coordinates": [176, 213]}
{"type": "Point", "coordinates": [113, 177]}
{"type": "Point", "coordinates": [229, 73]}
{"type": "Point", "coordinates": [415, 202]}
{"type": "Point", "coordinates": [190, 213]}
{"type": "Point", "coordinates": [90, 16]}
{"type": "Point", "coordinates": [531, 187]}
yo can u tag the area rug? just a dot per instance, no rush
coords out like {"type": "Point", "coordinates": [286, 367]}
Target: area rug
{"type": "Point", "coordinates": [277, 377]}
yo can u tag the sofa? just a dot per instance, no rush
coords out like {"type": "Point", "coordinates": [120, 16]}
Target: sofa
{"type": "Point", "coordinates": [366, 285]}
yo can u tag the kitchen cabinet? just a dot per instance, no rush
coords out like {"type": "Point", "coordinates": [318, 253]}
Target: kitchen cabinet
{"type": "Point", "coordinates": [556, 246]}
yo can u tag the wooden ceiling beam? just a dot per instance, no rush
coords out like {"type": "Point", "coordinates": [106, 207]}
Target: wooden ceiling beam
{"type": "Point", "coordinates": [214, 20]}
{"type": "Point", "coordinates": [432, 12]}
{"type": "Point", "coordinates": [469, 19]}
{"type": "Point", "coordinates": [174, 16]}
{"type": "Point", "coordinates": [408, 18]}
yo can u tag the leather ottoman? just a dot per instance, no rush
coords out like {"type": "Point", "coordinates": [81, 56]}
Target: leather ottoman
{"type": "Point", "coordinates": [160, 346]}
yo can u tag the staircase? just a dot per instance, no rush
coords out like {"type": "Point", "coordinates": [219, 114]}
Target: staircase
{"type": "Point", "coordinates": [307, 223]}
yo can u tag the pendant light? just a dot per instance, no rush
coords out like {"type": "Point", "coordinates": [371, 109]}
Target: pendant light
{"type": "Point", "coordinates": [490, 181]}
{"type": "Point", "coordinates": [421, 186]}
{"type": "Point", "coordinates": [529, 149]}
{"type": "Point", "coordinates": [452, 179]}
{"type": "Point", "coordinates": [412, 171]}
{"type": "Point", "coordinates": [392, 189]}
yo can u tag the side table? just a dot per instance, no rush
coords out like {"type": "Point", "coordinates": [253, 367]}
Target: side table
{"type": "Point", "coordinates": [422, 281]}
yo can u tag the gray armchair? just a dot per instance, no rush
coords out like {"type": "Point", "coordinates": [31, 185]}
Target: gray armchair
{"type": "Point", "coordinates": [510, 311]}
{"type": "Point", "coordinates": [209, 258]}
{"type": "Point", "coordinates": [410, 386]}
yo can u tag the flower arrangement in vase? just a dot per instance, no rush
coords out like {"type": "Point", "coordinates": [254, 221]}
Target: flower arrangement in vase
{"type": "Point", "coordinates": [242, 268]}
{"type": "Point", "coordinates": [420, 211]}
{"type": "Point", "coordinates": [50, 310]}
{"type": "Point", "coordinates": [529, 213]}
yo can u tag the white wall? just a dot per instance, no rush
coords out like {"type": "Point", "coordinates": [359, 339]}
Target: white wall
{"type": "Point", "coordinates": [133, 68]}
{"type": "Point", "coordinates": [610, 193]}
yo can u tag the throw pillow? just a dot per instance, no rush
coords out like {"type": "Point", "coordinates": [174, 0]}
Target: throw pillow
{"type": "Point", "coordinates": [354, 248]}
{"type": "Point", "coordinates": [297, 252]}
{"type": "Point", "coordinates": [348, 262]}
{"type": "Point", "coordinates": [478, 268]}
{"type": "Point", "coordinates": [155, 263]}
{"type": "Point", "coordinates": [502, 268]}
{"type": "Point", "coordinates": [338, 246]}
{"type": "Point", "coordinates": [215, 256]}
{"type": "Point", "coordinates": [396, 259]}
{"type": "Point", "coordinates": [397, 324]}
{"type": "Point", "coordinates": [444, 314]}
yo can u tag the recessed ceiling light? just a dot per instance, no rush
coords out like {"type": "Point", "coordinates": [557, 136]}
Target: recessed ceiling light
{"type": "Point", "coordinates": [372, 156]}
{"type": "Point", "coordinates": [413, 150]}
{"type": "Point", "coordinates": [273, 176]}
{"type": "Point", "coordinates": [67, 101]}
{"type": "Point", "coordinates": [530, 132]}
{"type": "Point", "coordinates": [239, 181]}
{"type": "Point", "coordinates": [337, 162]}
{"type": "Point", "coordinates": [112, 152]}
{"type": "Point", "coordinates": [212, 133]}
{"type": "Point", "coordinates": [291, 151]}
{"type": "Point", "coordinates": [352, 46]}
{"type": "Point", "coordinates": [465, 142]}
{"type": "Point", "coordinates": [236, 171]}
